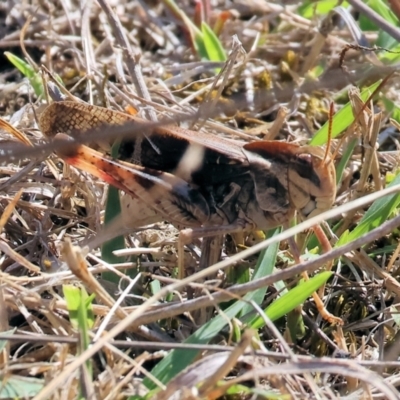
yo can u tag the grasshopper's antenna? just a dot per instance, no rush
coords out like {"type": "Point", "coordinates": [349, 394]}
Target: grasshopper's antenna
{"type": "Point", "coordinates": [328, 145]}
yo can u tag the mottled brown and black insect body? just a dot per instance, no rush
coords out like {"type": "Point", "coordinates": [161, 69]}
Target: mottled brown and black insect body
{"type": "Point", "coordinates": [193, 179]}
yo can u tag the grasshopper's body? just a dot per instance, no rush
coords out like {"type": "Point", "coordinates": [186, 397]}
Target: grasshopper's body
{"type": "Point", "coordinates": [194, 179]}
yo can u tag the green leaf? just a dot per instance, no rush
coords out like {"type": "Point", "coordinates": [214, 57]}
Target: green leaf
{"type": "Point", "coordinates": [238, 274]}
{"type": "Point", "coordinates": [177, 360]}
{"type": "Point", "coordinates": [112, 210]}
{"type": "Point", "coordinates": [378, 213]}
{"type": "Point", "coordinates": [236, 331]}
{"type": "Point", "coordinates": [79, 306]}
{"type": "Point", "coordinates": [310, 9]}
{"type": "Point", "coordinates": [19, 387]}
{"type": "Point", "coordinates": [213, 46]}
{"type": "Point", "coordinates": [391, 108]}
{"type": "Point", "coordinates": [81, 314]}
{"type": "Point", "coordinates": [155, 286]}
{"type": "Point", "coordinates": [341, 120]}
{"type": "Point", "coordinates": [200, 46]}
{"type": "Point", "coordinates": [26, 70]}
{"type": "Point", "coordinates": [292, 299]}
{"type": "Point", "coordinates": [391, 57]}
{"type": "Point", "coordinates": [386, 41]}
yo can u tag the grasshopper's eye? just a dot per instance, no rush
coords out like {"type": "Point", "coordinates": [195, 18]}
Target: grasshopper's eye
{"type": "Point", "coordinates": [305, 160]}
{"type": "Point", "coordinates": [304, 167]}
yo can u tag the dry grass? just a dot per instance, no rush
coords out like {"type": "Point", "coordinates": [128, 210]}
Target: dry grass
{"type": "Point", "coordinates": [52, 214]}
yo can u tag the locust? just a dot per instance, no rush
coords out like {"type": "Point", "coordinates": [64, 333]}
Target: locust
{"type": "Point", "coordinates": [206, 185]}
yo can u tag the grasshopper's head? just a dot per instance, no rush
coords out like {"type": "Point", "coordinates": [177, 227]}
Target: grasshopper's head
{"type": "Point", "coordinates": [311, 181]}
{"type": "Point", "coordinates": [289, 178]}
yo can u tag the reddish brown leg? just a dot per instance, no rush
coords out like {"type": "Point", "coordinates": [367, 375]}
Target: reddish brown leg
{"type": "Point", "coordinates": [326, 315]}
{"type": "Point", "coordinates": [326, 246]}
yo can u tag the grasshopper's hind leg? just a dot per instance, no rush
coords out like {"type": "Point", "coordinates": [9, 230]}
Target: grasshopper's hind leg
{"type": "Point", "coordinates": [325, 314]}
{"type": "Point", "coordinates": [213, 250]}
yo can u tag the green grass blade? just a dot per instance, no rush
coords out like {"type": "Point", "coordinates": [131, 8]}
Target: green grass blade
{"type": "Point", "coordinates": [26, 70]}
{"type": "Point", "coordinates": [292, 299]}
{"type": "Point", "coordinates": [347, 153]}
{"type": "Point", "coordinates": [200, 47]}
{"type": "Point", "coordinates": [112, 210]}
{"type": "Point", "coordinates": [378, 213]}
{"type": "Point", "coordinates": [213, 46]}
{"type": "Point", "coordinates": [265, 266]}
{"type": "Point", "coordinates": [310, 9]}
{"type": "Point", "coordinates": [342, 119]}
{"type": "Point", "coordinates": [81, 314]}
{"type": "Point", "coordinates": [177, 360]}
{"type": "Point", "coordinates": [392, 108]}
{"type": "Point", "coordinates": [79, 306]}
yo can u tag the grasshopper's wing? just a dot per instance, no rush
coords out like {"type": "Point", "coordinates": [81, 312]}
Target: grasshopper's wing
{"type": "Point", "coordinates": [169, 196]}
{"type": "Point", "coordinates": [154, 195]}
{"type": "Point", "coordinates": [221, 158]}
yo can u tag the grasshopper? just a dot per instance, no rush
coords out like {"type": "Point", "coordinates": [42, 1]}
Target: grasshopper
{"type": "Point", "coordinates": [206, 184]}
